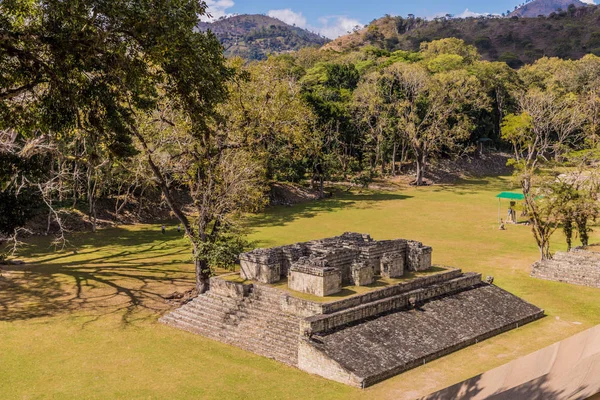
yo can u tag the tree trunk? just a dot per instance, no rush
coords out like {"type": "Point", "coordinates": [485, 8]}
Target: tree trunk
{"type": "Point", "coordinates": [202, 274]}
{"type": "Point", "coordinates": [544, 246]}
{"type": "Point", "coordinates": [568, 230]}
{"type": "Point", "coordinates": [420, 159]}
{"type": "Point", "coordinates": [394, 159]}
{"type": "Point", "coordinates": [582, 228]}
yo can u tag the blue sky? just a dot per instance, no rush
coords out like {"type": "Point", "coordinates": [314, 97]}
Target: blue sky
{"type": "Point", "coordinates": [335, 17]}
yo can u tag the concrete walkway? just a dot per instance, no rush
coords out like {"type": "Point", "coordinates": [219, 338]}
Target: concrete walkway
{"type": "Point", "coordinates": [569, 369]}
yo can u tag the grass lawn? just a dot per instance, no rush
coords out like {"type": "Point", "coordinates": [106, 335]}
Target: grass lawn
{"type": "Point", "coordinates": [84, 325]}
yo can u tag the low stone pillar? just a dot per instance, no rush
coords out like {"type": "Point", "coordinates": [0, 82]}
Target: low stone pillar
{"type": "Point", "coordinates": [418, 256]}
{"type": "Point", "coordinates": [362, 274]}
{"type": "Point", "coordinates": [392, 265]}
{"type": "Point", "coordinates": [320, 280]}
{"type": "Point", "coordinates": [261, 265]}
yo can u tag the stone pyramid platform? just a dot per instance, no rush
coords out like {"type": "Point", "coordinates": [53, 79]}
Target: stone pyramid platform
{"type": "Point", "coordinates": [578, 267]}
{"type": "Point", "coordinates": [361, 339]}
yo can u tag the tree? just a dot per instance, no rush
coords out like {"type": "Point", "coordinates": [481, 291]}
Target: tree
{"type": "Point", "coordinates": [101, 68]}
{"type": "Point", "coordinates": [429, 110]}
{"type": "Point", "coordinates": [545, 128]}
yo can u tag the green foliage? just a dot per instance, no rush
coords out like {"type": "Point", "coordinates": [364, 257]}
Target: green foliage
{"type": "Point", "coordinates": [528, 39]}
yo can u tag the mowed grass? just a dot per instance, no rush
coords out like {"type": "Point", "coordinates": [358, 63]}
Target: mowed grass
{"type": "Point", "coordinates": [85, 325]}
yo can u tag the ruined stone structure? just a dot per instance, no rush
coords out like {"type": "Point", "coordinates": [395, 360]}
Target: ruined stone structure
{"type": "Point", "coordinates": [357, 340]}
{"type": "Point", "coordinates": [322, 267]}
{"type": "Point", "coordinates": [578, 267]}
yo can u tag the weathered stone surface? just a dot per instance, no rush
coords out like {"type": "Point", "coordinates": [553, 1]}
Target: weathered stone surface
{"type": "Point", "coordinates": [389, 258]}
{"type": "Point", "coordinates": [361, 339]}
{"type": "Point", "coordinates": [227, 288]}
{"type": "Point", "coordinates": [262, 265]}
{"type": "Point", "coordinates": [362, 274]}
{"type": "Point", "coordinates": [419, 256]}
{"type": "Point", "coordinates": [377, 349]}
{"type": "Point", "coordinates": [392, 265]}
{"type": "Point", "coordinates": [314, 276]}
{"type": "Point", "coordinates": [327, 322]}
{"type": "Point", "coordinates": [578, 267]}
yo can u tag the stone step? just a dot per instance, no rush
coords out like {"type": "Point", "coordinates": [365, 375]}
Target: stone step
{"type": "Point", "coordinates": [211, 308]}
{"type": "Point", "coordinates": [259, 340]}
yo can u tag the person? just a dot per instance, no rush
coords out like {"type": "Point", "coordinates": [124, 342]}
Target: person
{"type": "Point", "coordinates": [163, 229]}
{"type": "Point", "coordinates": [502, 228]}
{"type": "Point", "coordinates": [178, 228]}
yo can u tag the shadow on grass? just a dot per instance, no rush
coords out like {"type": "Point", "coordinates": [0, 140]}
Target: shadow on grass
{"type": "Point", "coordinates": [108, 280]}
{"type": "Point", "coordinates": [472, 186]}
{"type": "Point", "coordinates": [282, 215]}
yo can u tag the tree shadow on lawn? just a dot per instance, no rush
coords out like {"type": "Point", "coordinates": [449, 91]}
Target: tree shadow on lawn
{"type": "Point", "coordinates": [129, 283]}
{"type": "Point", "coordinates": [471, 186]}
{"type": "Point", "coordinates": [282, 215]}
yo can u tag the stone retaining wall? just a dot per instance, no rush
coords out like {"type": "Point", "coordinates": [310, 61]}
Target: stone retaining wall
{"type": "Point", "coordinates": [223, 287]}
{"type": "Point", "coordinates": [578, 267]}
{"type": "Point", "coordinates": [327, 322]}
{"type": "Point", "coordinates": [379, 294]}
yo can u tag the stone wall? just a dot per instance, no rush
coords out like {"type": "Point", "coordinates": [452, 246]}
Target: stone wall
{"type": "Point", "coordinates": [578, 267]}
{"type": "Point", "coordinates": [419, 256]}
{"type": "Point", "coordinates": [262, 265]}
{"type": "Point", "coordinates": [389, 291]}
{"type": "Point", "coordinates": [313, 361]}
{"type": "Point", "coordinates": [365, 353]}
{"type": "Point", "coordinates": [323, 281]}
{"type": "Point", "coordinates": [326, 322]}
{"type": "Point", "coordinates": [226, 288]}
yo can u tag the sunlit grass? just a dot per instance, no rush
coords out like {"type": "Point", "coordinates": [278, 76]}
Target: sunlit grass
{"type": "Point", "coordinates": [84, 325]}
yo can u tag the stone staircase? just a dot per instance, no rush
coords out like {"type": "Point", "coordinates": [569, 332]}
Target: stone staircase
{"type": "Point", "coordinates": [252, 323]}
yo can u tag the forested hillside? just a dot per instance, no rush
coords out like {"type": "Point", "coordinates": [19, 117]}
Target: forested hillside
{"type": "Point", "coordinates": [568, 34]}
{"type": "Point", "coordinates": [254, 37]}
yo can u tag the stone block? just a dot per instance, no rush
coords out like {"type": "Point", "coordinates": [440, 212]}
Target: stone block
{"type": "Point", "coordinates": [362, 274]}
{"type": "Point", "coordinates": [392, 265]}
{"type": "Point", "coordinates": [260, 272]}
{"type": "Point", "coordinates": [418, 256]}
{"type": "Point", "coordinates": [234, 290]}
{"type": "Point", "coordinates": [318, 280]}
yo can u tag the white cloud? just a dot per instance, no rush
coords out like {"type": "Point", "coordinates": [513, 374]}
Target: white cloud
{"type": "Point", "coordinates": [330, 26]}
{"type": "Point", "coordinates": [591, 2]}
{"type": "Point", "coordinates": [289, 17]}
{"type": "Point", "coordinates": [217, 9]}
{"type": "Point", "coordinates": [335, 26]}
{"type": "Point", "coordinates": [468, 13]}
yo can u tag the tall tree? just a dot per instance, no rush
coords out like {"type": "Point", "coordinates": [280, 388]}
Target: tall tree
{"type": "Point", "coordinates": [430, 109]}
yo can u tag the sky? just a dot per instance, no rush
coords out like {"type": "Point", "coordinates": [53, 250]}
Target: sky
{"type": "Point", "coordinates": [333, 18]}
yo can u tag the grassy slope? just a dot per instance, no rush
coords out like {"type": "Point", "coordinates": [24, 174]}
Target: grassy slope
{"type": "Point", "coordinates": [103, 341]}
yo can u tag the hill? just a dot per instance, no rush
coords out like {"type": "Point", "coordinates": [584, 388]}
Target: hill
{"type": "Point", "coordinates": [535, 8]}
{"type": "Point", "coordinates": [255, 36]}
{"type": "Point", "coordinates": [566, 34]}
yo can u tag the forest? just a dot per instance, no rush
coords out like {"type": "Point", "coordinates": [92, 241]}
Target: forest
{"type": "Point", "coordinates": [111, 102]}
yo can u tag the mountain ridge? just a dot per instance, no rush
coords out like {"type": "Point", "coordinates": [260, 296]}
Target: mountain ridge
{"type": "Point", "coordinates": [255, 36]}
{"type": "Point", "coordinates": [566, 34]}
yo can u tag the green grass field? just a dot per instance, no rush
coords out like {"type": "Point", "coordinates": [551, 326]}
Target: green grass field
{"type": "Point", "coordinates": [84, 325]}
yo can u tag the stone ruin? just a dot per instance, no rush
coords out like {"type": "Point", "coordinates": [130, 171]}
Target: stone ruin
{"type": "Point", "coordinates": [361, 339]}
{"type": "Point", "coordinates": [322, 267]}
{"type": "Point", "coordinates": [578, 266]}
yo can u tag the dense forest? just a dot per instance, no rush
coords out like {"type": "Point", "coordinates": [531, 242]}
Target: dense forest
{"type": "Point", "coordinates": [84, 119]}
{"type": "Point", "coordinates": [571, 33]}
{"type": "Point", "coordinates": [255, 37]}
